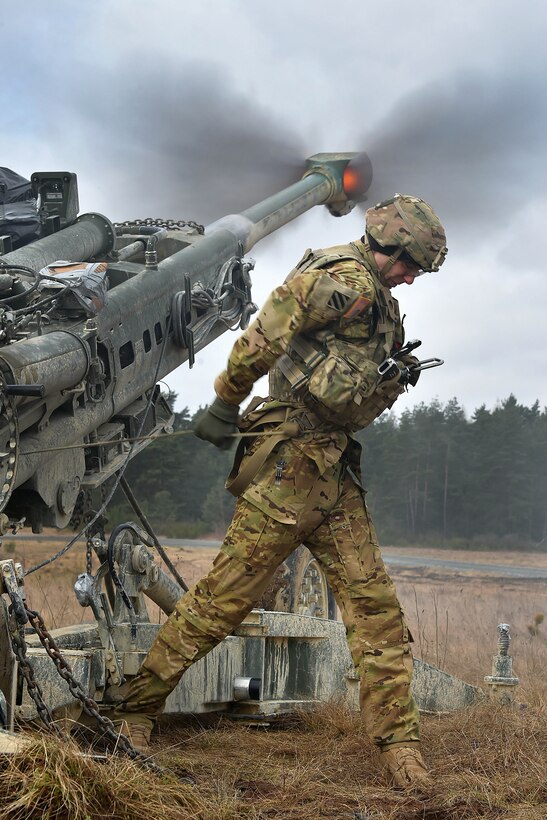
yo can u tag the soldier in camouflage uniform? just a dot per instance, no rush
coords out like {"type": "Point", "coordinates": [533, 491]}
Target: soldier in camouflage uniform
{"type": "Point", "coordinates": [321, 336]}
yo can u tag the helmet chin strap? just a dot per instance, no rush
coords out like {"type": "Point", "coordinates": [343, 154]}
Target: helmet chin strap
{"type": "Point", "coordinates": [388, 264]}
{"type": "Point", "coordinates": [386, 267]}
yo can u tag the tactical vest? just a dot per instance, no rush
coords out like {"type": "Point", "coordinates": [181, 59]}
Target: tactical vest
{"type": "Point", "coordinates": [331, 370]}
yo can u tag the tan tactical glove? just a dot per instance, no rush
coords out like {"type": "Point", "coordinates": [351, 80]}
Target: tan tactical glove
{"type": "Point", "coordinates": [218, 424]}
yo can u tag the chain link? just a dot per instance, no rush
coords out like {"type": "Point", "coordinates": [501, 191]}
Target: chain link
{"type": "Point", "coordinates": [89, 706]}
{"type": "Point", "coordinates": [89, 555]}
{"type": "Point", "coordinates": [83, 503]}
{"type": "Point", "coordinates": [34, 689]}
{"type": "Point", "coordinates": [98, 529]}
{"type": "Point", "coordinates": [84, 511]}
{"type": "Point", "coordinates": [170, 224]}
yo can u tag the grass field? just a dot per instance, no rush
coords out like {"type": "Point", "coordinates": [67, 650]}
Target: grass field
{"type": "Point", "coordinates": [488, 761]}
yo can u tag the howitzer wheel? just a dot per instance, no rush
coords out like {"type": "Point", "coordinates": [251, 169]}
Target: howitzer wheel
{"type": "Point", "coordinates": [9, 446]}
{"type": "Point", "coordinates": [309, 591]}
{"type": "Point", "coordinates": [299, 586]}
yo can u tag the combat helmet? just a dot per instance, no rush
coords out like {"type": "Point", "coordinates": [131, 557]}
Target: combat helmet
{"type": "Point", "coordinates": [406, 224]}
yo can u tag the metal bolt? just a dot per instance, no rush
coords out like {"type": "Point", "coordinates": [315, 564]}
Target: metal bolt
{"type": "Point", "coordinates": [151, 258]}
{"type": "Point", "coordinates": [140, 558]}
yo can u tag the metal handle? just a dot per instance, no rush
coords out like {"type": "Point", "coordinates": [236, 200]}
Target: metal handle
{"type": "Point", "coordinates": [427, 364]}
{"type": "Point", "coordinates": [37, 390]}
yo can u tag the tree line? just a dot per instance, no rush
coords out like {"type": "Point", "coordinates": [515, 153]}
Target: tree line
{"type": "Point", "coordinates": [433, 476]}
{"type": "Point", "coordinates": [438, 477]}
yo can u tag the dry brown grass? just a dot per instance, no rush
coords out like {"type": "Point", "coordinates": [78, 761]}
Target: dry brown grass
{"type": "Point", "coordinates": [487, 762]}
{"type": "Point", "coordinates": [454, 624]}
{"type": "Point", "coordinates": [53, 780]}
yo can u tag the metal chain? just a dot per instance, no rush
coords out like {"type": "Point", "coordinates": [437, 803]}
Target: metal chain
{"type": "Point", "coordinates": [89, 555]}
{"type": "Point", "coordinates": [34, 689]}
{"type": "Point", "coordinates": [83, 502]}
{"type": "Point", "coordinates": [170, 224]}
{"type": "Point", "coordinates": [103, 499]}
{"type": "Point", "coordinates": [97, 529]}
{"type": "Point", "coordinates": [89, 706]}
{"type": "Point", "coordinates": [83, 509]}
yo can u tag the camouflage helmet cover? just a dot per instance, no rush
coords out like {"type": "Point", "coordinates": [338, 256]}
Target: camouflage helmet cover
{"type": "Point", "coordinates": [411, 224]}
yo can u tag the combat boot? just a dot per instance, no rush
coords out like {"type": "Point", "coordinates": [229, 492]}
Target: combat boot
{"type": "Point", "coordinates": [137, 730]}
{"type": "Point", "coordinates": [406, 768]}
{"type": "Point", "coordinates": [135, 706]}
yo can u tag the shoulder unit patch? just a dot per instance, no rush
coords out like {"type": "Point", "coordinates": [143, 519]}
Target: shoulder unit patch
{"type": "Point", "coordinates": [360, 305]}
{"type": "Point", "coordinates": [338, 301]}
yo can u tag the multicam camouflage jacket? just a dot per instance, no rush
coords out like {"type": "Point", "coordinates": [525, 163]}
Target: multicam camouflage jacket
{"type": "Point", "coordinates": [331, 306]}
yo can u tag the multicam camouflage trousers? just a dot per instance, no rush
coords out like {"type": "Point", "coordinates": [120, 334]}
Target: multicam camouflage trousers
{"type": "Point", "coordinates": [333, 522]}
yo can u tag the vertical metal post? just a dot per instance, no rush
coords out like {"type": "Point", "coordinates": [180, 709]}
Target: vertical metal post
{"type": "Point", "coordinates": [502, 682]}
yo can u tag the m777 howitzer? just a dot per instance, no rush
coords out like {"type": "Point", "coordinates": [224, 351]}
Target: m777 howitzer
{"type": "Point", "coordinates": [82, 346]}
{"type": "Point", "coordinates": [73, 372]}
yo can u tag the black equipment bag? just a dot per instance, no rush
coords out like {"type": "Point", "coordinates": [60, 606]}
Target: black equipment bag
{"type": "Point", "coordinates": [18, 213]}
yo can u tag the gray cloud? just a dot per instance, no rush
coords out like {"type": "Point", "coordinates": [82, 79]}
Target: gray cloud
{"type": "Point", "coordinates": [182, 137]}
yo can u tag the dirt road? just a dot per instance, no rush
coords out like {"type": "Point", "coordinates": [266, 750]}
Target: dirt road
{"type": "Point", "coordinates": [424, 558]}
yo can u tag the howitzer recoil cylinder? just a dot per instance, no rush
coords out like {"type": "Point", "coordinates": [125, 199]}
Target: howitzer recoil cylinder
{"type": "Point", "coordinates": [91, 236]}
{"type": "Point", "coordinates": [56, 361]}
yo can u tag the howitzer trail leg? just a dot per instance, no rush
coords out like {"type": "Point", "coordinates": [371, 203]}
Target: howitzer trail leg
{"type": "Point", "coordinates": [345, 544]}
{"type": "Point", "coordinates": [254, 547]}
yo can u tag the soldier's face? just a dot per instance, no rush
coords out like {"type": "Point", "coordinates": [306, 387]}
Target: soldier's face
{"type": "Point", "coordinates": [402, 272]}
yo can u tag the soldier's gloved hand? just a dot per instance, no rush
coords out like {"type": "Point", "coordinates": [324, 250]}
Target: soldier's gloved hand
{"type": "Point", "coordinates": [218, 424]}
{"type": "Point", "coordinates": [413, 375]}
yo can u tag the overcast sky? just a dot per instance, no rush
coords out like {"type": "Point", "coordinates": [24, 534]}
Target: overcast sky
{"type": "Point", "coordinates": [193, 110]}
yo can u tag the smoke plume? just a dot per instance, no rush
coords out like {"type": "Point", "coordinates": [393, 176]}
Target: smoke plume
{"type": "Point", "coordinates": [181, 141]}
{"type": "Point", "coordinates": [473, 145]}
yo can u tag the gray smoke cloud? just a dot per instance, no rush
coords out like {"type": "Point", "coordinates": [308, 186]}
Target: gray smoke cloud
{"type": "Point", "coordinates": [181, 139]}
{"type": "Point", "coordinates": [178, 139]}
{"type": "Point", "coordinates": [473, 145]}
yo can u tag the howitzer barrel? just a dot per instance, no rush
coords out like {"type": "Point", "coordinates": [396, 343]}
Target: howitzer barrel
{"type": "Point", "coordinates": [322, 183]}
{"type": "Point", "coordinates": [261, 220]}
{"type": "Point", "coordinates": [92, 235]}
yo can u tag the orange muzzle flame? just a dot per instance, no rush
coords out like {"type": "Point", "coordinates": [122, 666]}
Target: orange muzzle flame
{"type": "Point", "coordinates": [351, 180]}
{"type": "Point", "coordinates": [357, 177]}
